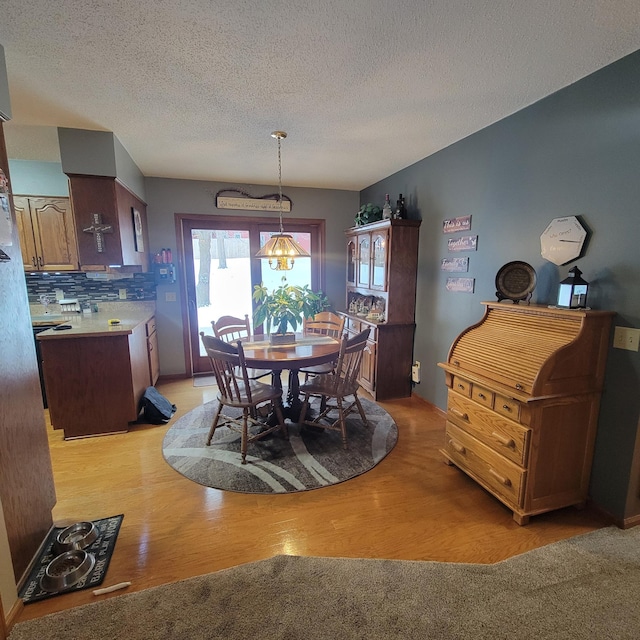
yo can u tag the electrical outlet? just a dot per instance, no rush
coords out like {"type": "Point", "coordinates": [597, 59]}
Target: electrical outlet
{"type": "Point", "coordinates": [626, 338]}
{"type": "Point", "coordinates": [415, 372]}
{"type": "Point", "coordinates": [122, 294]}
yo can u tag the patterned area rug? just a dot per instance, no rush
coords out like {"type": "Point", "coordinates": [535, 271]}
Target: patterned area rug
{"type": "Point", "coordinates": [306, 461]}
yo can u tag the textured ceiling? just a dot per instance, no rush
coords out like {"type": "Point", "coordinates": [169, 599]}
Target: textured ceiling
{"type": "Point", "coordinates": [364, 88]}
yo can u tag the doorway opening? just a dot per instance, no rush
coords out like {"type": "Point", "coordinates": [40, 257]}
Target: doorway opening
{"type": "Point", "coordinates": [220, 271]}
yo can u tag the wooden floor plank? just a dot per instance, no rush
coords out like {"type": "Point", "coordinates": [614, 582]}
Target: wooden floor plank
{"type": "Point", "coordinates": [411, 506]}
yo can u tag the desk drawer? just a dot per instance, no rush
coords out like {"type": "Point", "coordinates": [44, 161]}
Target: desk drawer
{"type": "Point", "coordinates": [507, 407]}
{"type": "Point", "coordinates": [483, 396]}
{"type": "Point", "coordinates": [500, 434]}
{"type": "Point", "coordinates": [462, 386]}
{"type": "Point", "coordinates": [494, 471]}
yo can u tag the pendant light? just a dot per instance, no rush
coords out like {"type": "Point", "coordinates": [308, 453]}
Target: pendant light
{"type": "Point", "coordinates": [281, 249]}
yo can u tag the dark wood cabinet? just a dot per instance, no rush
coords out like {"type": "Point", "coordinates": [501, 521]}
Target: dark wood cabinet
{"type": "Point", "coordinates": [111, 370]}
{"type": "Point", "coordinates": [27, 492]}
{"type": "Point", "coordinates": [106, 231]}
{"type": "Point", "coordinates": [382, 260]}
{"type": "Point", "coordinates": [47, 234]}
{"type": "Point", "coordinates": [524, 393]}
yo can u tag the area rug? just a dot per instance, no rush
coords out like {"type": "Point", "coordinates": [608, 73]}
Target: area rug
{"type": "Point", "coordinates": [583, 588]}
{"type": "Point", "coordinates": [308, 460]}
{"type": "Point", "coordinates": [101, 548]}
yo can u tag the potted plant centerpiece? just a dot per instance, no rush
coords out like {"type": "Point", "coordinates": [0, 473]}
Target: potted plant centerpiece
{"type": "Point", "coordinates": [285, 306]}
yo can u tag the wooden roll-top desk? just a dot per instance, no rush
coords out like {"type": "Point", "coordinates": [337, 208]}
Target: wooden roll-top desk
{"type": "Point", "coordinates": [524, 394]}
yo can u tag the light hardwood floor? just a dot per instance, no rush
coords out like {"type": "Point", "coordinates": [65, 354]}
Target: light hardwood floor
{"type": "Point", "coordinates": [411, 506]}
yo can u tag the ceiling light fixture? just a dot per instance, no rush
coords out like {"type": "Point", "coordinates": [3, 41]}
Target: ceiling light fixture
{"type": "Point", "coordinates": [281, 249]}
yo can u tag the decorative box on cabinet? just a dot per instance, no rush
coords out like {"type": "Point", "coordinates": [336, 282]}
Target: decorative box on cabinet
{"type": "Point", "coordinates": [523, 400]}
{"type": "Point", "coordinates": [47, 233]}
{"type": "Point", "coordinates": [382, 260]}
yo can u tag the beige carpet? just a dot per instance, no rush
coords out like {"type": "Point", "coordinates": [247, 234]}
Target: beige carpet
{"type": "Point", "coordinates": [587, 587]}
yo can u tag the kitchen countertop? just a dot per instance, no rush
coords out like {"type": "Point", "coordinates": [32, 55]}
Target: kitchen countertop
{"type": "Point", "coordinates": [95, 324]}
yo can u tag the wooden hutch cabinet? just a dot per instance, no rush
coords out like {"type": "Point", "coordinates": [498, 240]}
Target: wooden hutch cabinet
{"type": "Point", "coordinates": [47, 233]}
{"type": "Point", "coordinates": [522, 411]}
{"type": "Point", "coordinates": [382, 262]}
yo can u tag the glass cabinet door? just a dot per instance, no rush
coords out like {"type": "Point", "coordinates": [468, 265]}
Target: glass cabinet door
{"type": "Point", "coordinates": [351, 261]}
{"type": "Point", "coordinates": [364, 256]}
{"type": "Point", "coordinates": [379, 246]}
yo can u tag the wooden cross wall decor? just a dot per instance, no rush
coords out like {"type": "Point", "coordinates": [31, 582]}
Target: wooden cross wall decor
{"type": "Point", "coordinates": [98, 229]}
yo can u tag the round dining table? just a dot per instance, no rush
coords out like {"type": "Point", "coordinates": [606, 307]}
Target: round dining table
{"type": "Point", "coordinates": [306, 351]}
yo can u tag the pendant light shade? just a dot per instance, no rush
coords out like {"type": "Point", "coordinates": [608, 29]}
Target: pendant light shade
{"type": "Point", "coordinates": [281, 249]}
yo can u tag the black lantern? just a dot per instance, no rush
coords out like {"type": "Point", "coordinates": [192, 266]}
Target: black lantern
{"type": "Point", "coordinates": [573, 291]}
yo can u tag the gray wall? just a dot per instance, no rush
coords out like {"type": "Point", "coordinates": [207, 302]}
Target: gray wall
{"type": "Point", "coordinates": [166, 197]}
{"type": "Point", "coordinates": [576, 152]}
{"type": "Point", "coordinates": [29, 177]}
{"type": "Point", "coordinates": [99, 153]}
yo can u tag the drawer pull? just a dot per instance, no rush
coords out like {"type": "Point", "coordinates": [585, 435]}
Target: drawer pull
{"type": "Point", "coordinates": [461, 386]}
{"type": "Point", "coordinates": [459, 414]}
{"type": "Point", "coordinates": [519, 387]}
{"type": "Point", "coordinates": [482, 396]}
{"type": "Point", "coordinates": [456, 362]}
{"type": "Point", "coordinates": [501, 479]}
{"type": "Point", "coordinates": [506, 407]}
{"type": "Point", "coordinates": [458, 447]}
{"type": "Point", "coordinates": [503, 440]}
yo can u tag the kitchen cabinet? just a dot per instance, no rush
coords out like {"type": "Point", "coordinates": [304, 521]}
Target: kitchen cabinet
{"type": "Point", "coordinates": [47, 234]}
{"type": "Point", "coordinates": [96, 374]}
{"type": "Point", "coordinates": [382, 260]}
{"type": "Point", "coordinates": [524, 389]}
{"type": "Point", "coordinates": [111, 224]}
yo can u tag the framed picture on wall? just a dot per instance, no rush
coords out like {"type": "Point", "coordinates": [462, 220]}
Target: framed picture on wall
{"type": "Point", "coordinates": [138, 231]}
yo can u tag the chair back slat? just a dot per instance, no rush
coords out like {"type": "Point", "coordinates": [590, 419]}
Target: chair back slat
{"type": "Point", "coordinates": [230, 328]}
{"type": "Point", "coordinates": [350, 357]}
{"type": "Point", "coordinates": [324, 323]}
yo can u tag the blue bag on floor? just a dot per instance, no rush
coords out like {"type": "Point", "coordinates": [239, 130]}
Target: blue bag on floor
{"type": "Point", "coordinates": [156, 409]}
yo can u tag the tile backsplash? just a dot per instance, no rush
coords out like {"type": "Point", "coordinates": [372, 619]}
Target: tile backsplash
{"type": "Point", "coordinates": [76, 285]}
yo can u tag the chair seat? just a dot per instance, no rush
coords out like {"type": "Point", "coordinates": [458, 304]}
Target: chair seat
{"type": "Point", "coordinates": [260, 392]}
{"type": "Point", "coordinates": [319, 369]}
{"type": "Point", "coordinates": [329, 385]}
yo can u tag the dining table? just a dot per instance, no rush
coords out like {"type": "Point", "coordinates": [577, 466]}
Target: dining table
{"type": "Point", "coordinates": [306, 351]}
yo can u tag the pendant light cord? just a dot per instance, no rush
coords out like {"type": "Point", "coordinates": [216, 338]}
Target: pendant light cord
{"type": "Point", "coordinates": [280, 181]}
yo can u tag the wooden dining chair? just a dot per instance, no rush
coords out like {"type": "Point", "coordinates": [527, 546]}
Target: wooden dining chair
{"type": "Point", "coordinates": [229, 329]}
{"type": "Point", "coordinates": [236, 389]}
{"type": "Point", "coordinates": [326, 323]}
{"type": "Point", "coordinates": [338, 386]}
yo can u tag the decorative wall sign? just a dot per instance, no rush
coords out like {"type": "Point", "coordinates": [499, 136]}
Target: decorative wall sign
{"type": "Point", "coordinates": [138, 230]}
{"type": "Point", "coordinates": [249, 203]}
{"type": "Point", "coordinates": [463, 243]}
{"type": "Point", "coordinates": [98, 229]}
{"type": "Point", "coordinates": [456, 224]}
{"type": "Point", "coordinates": [461, 285]}
{"type": "Point", "coordinates": [454, 264]}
